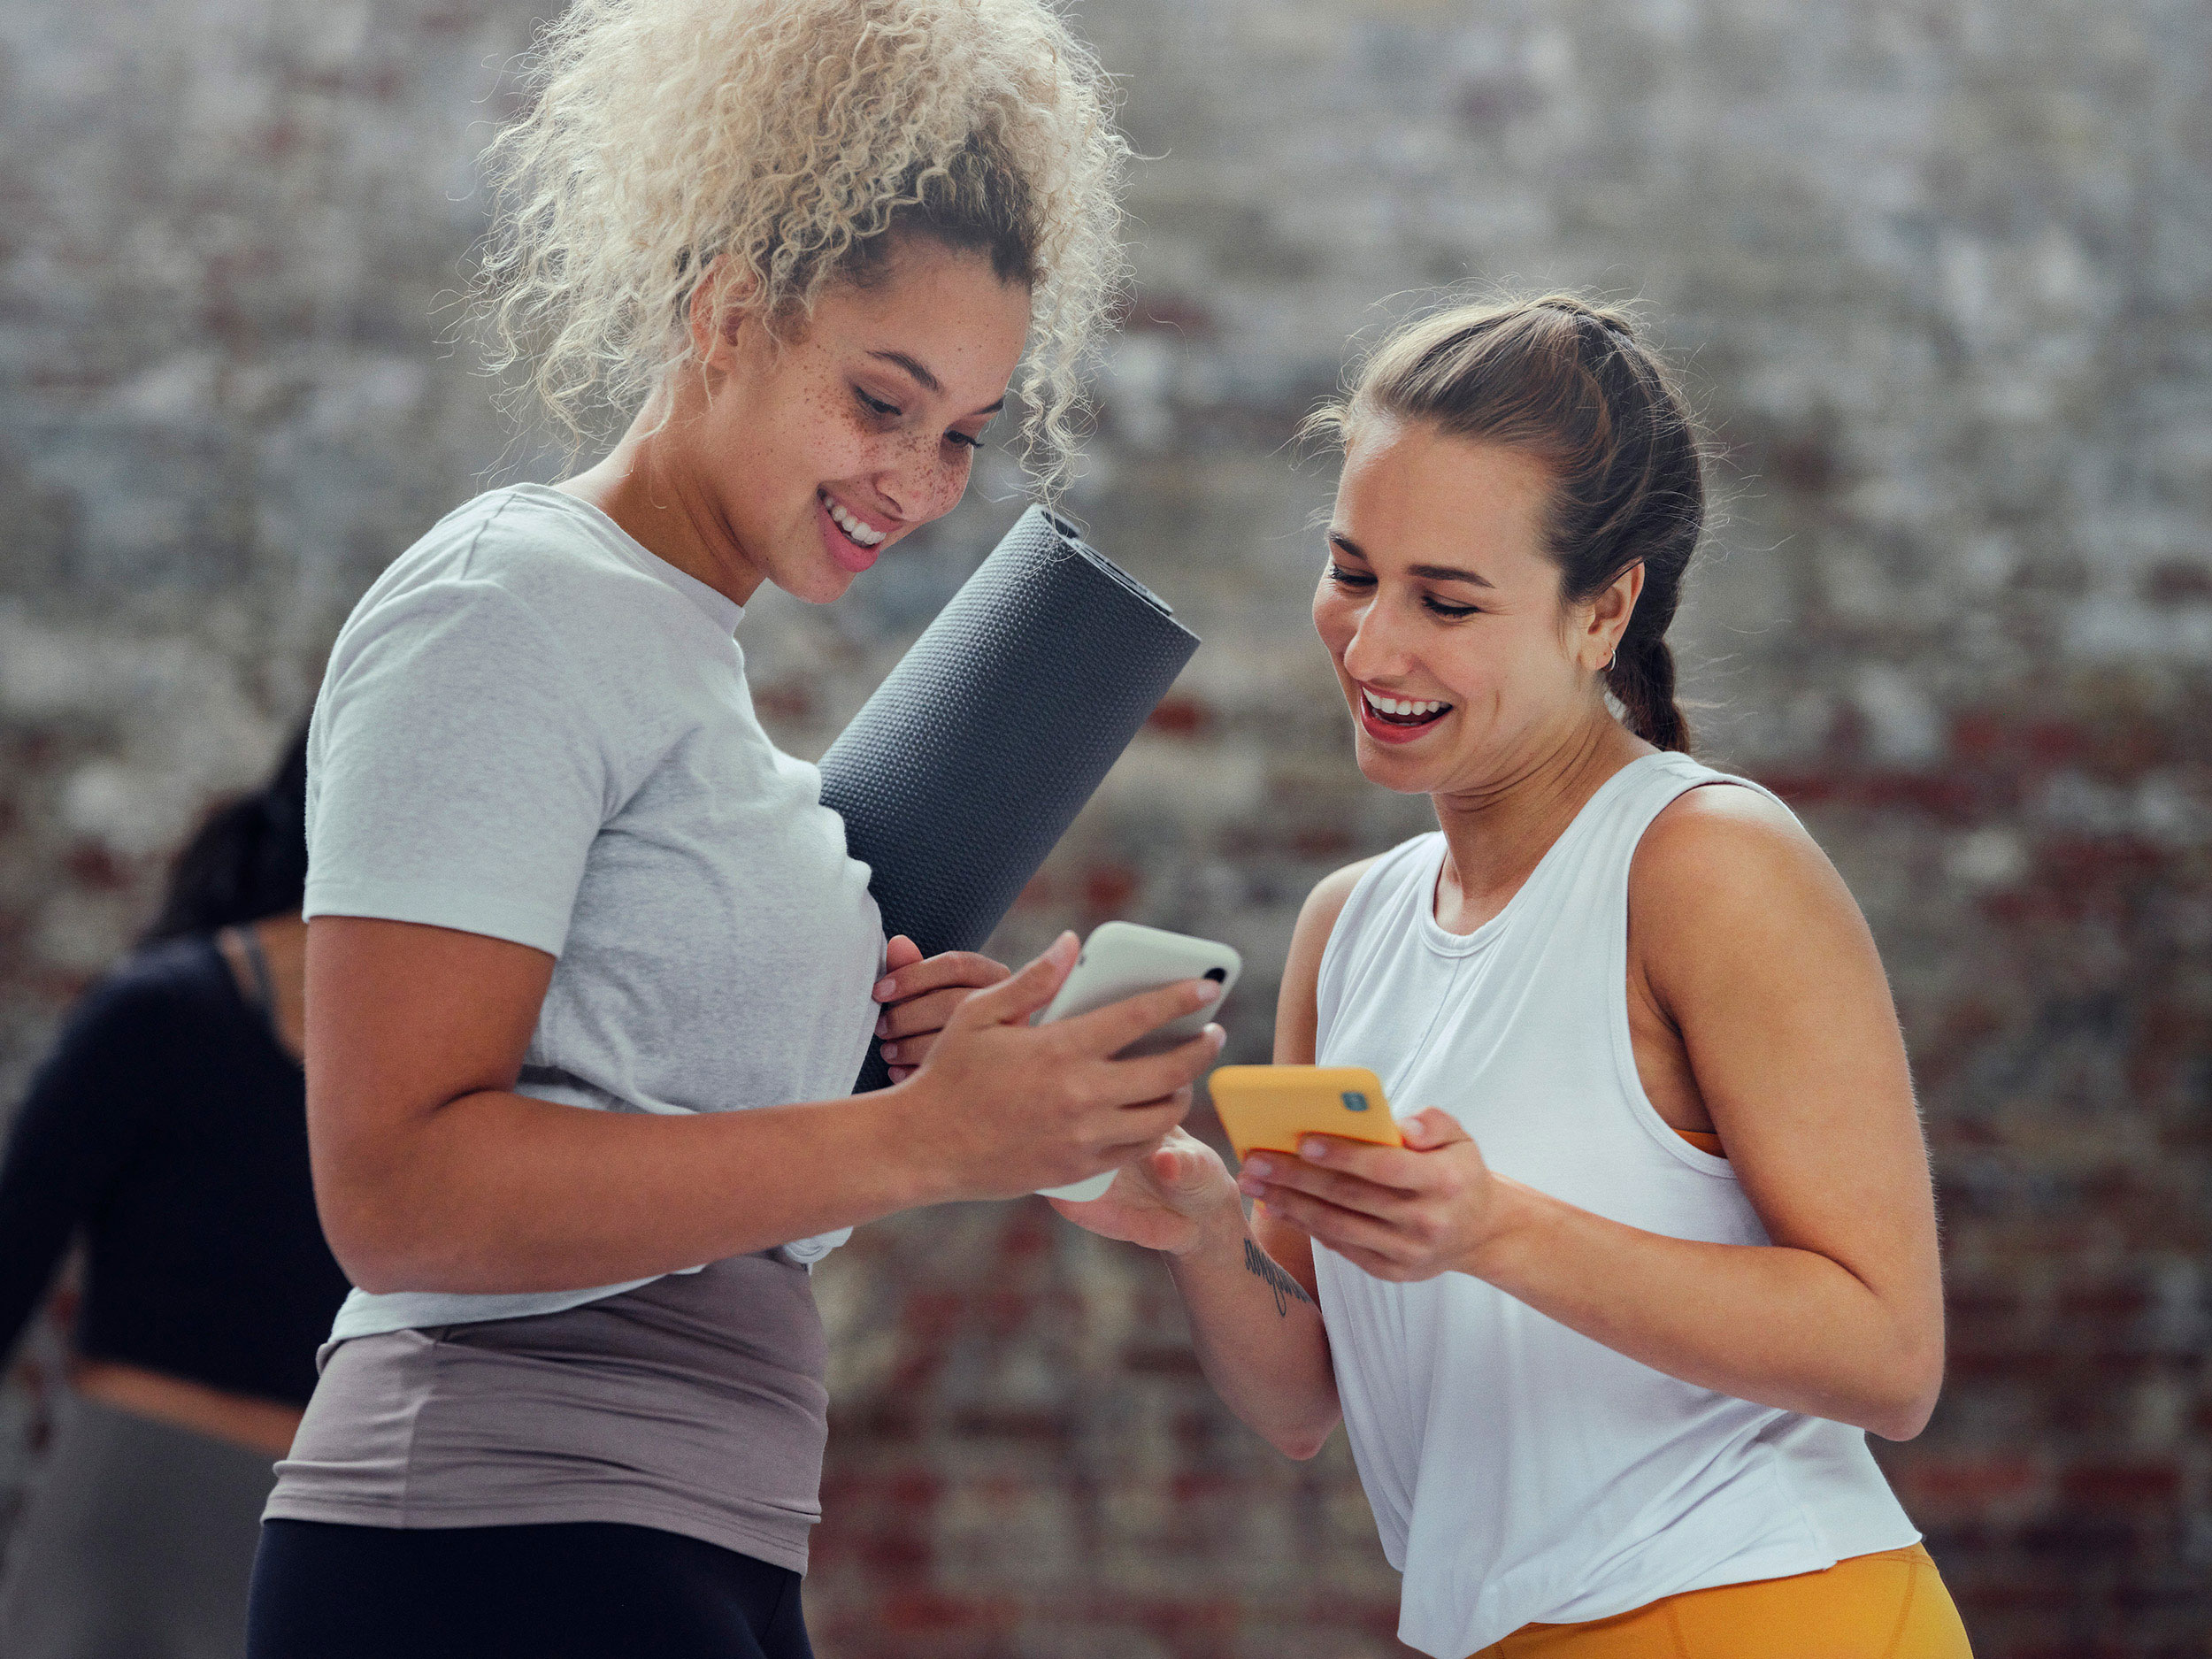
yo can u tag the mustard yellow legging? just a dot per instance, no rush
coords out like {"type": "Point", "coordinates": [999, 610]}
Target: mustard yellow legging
{"type": "Point", "coordinates": [1888, 1606]}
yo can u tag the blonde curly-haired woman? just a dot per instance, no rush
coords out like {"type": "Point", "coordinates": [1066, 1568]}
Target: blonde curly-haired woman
{"type": "Point", "coordinates": [557, 865]}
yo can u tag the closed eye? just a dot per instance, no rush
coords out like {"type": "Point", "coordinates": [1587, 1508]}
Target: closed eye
{"type": "Point", "coordinates": [1361, 580]}
{"type": "Point", "coordinates": [882, 410]}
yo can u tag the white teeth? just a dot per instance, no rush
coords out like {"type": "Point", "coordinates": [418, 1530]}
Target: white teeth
{"type": "Point", "coordinates": [1401, 706]}
{"type": "Point", "coordinates": [850, 525]}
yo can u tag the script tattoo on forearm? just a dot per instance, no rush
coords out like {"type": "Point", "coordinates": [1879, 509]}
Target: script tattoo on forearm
{"type": "Point", "coordinates": [1286, 1289]}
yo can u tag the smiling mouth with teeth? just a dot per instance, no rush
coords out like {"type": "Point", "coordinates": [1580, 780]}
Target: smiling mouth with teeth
{"type": "Point", "coordinates": [860, 534]}
{"type": "Point", "coordinates": [1404, 710]}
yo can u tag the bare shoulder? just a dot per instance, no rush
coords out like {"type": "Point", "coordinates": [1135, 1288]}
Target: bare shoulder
{"type": "Point", "coordinates": [1727, 878]}
{"type": "Point", "coordinates": [1296, 1018]}
{"type": "Point", "coordinates": [1317, 916]}
{"type": "Point", "coordinates": [1722, 843]}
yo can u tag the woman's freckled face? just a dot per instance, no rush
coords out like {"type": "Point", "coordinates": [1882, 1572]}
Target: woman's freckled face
{"type": "Point", "coordinates": [1491, 644]}
{"type": "Point", "coordinates": [823, 452]}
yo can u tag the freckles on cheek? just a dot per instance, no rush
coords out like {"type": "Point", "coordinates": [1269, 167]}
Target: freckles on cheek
{"type": "Point", "coordinates": [943, 479]}
{"type": "Point", "coordinates": [821, 440]}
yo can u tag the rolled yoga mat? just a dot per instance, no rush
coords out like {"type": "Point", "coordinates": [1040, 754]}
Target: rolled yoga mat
{"type": "Point", "coordinates": [974, 755]}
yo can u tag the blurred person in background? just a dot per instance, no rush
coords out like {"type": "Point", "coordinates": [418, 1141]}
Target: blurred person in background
{"type": "Point", "coordinates": [168, 1130]}
{"type": "Point", "coordinates": [1609, 1333]}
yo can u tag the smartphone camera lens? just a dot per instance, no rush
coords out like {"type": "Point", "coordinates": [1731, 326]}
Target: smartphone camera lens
{"type": "Point", "coordinates": [1354, 1101]}
{"type": "Point", "coordinates": [1217, 974]}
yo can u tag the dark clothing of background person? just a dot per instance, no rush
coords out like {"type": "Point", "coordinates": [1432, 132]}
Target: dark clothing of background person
{"type": "Point", "coordinates": [167, 1131]}
{"type": "Point", "coordinates": [170, 1128]}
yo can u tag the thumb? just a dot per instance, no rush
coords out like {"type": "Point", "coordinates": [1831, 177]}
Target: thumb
{"type": "Point", "coordinates": [900, 952]}
{"type": "Point", "coordinates": [1177, 1170]}
{"type": "Point", "coordinates": [1429, 1129]}
{"type": "Point", "coordinates": [1023, 993]}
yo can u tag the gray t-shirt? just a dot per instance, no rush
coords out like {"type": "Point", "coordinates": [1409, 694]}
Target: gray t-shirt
{"type": "Point", "coordinates": [533, 729]}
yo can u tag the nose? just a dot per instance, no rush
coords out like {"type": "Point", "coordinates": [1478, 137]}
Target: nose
{"type": "Point", "coordinates": [1378, 651]}
{"type": "Point", "coordinates": [920, 484]}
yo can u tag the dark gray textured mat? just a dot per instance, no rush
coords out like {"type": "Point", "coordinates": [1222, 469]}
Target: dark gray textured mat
{"type": "Point", "coordinates": [977, 750]}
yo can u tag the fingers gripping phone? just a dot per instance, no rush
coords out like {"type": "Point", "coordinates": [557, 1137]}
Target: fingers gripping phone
{"type": "Point", "coordinates": [1122, 959]}
{"type": "Point", "coordinates": [1268, 1108]}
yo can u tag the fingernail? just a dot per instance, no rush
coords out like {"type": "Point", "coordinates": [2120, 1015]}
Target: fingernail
{"type": "Point", "coordinates": [1219, 1035]}
{"type": "Point", "coordinates": [1259, 1167]}
{"type": "Point", "coordinates": [1313, 1151]}
{"type": "Point", "coordinates": [883, 1027]}
{"type": "Point", "coordinates": [1208, 991]}
{"type": "Point", "coordinates": [884, 987]}
{"type": "Point", "coordinates": [1250, 1185]}
{"type": "Point", "coordinates": [890, 1052]}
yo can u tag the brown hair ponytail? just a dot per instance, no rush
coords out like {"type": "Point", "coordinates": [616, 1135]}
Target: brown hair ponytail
{"type": "Point", "coordinates": [1569, 382]}
{"type": "Point", "coordinates": [1641, 679]}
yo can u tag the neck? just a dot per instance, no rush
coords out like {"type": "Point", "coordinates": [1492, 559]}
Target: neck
{"type": "Point", "coordinates": [648, 486]}
{"type": "Point", "coordinates": [1498, 831]}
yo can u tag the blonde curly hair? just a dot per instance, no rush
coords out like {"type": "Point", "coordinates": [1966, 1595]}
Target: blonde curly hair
{"type": "Point", "coordinates": [774, 145]}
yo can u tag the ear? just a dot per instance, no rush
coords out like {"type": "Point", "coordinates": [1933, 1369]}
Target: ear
{"type": "Point", "coordinates": [711, 344]}
{"type": "Point", "coordinates": [1609, 617]}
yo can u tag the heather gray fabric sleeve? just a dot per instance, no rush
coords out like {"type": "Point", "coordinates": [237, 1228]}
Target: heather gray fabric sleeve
{"type": "Point", "coordinates": [460, 771]}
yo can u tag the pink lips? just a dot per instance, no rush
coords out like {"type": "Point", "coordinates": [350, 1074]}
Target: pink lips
{"type": "Point", "coordinates": [845, 552]}
{"type": "Point", "coordinates": [1386, 732]}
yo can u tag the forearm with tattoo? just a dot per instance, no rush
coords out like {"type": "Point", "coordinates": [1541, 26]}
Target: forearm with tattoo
{"type": "Point", "coordinates": [1286, 1289]}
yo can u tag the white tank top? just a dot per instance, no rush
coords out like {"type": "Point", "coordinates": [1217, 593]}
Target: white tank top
{"type": "Point", "coordinates": [1518, 1470]}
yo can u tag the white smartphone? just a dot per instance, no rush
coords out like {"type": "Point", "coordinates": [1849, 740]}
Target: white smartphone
{"type": "Point", "coordinates": [1120, 960]}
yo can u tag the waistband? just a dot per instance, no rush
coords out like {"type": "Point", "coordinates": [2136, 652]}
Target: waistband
{"type": "Point", "coordinates": [1890, 1604]}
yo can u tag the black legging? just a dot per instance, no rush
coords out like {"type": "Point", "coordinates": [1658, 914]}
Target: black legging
{"type": "Point", "coordinates": [563, 1590]}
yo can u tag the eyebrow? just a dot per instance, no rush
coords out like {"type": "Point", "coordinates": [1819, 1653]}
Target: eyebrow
{"type": "Point", "coordinates": [1430, 572]}
{"type": "Point", "coordinates": [929, 382]}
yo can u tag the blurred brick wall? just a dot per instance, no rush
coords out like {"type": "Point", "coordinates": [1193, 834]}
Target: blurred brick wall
{"type": "Point", "coordinates": [1942, 276]}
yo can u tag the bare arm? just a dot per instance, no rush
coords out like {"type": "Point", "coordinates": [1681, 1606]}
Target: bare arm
{"type": "Point", "coordinates": [1248, 1286]}
{"type": "Point", "coordinates": [1753, 949]}
{"type": "Point", "coordinates": [431, 1173]}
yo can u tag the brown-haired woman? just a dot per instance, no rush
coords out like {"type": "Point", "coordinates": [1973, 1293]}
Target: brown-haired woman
{"type": "Point", "coordinates": [1607, 1334]}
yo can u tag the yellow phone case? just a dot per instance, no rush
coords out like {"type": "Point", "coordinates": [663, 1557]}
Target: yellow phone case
{"type": "Point", "coordinates": [1266, 1108]}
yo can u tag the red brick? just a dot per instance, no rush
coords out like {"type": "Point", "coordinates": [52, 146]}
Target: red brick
{"type": "Point", "coordinates": [1106, 891]}
{"type": "Point", "coordinates": [1972, 1484]}
{"type": "Point", "coordinates": [923, 1612]}
{"type": "Point", "coordinates": [1179, 715]}
{"type": "Point", "coordinates": [2107, 1486]}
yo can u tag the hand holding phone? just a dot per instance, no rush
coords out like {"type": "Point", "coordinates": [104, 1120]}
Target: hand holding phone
{"type": "Point", "coordinates": [1121, 960]}
{"type": "Point", "coordinates": [999, 1106]}
{"type": "Point", "coordinates": [1414, 1201]}
{"type": "Point", "coordinates": [1268, 1108]}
